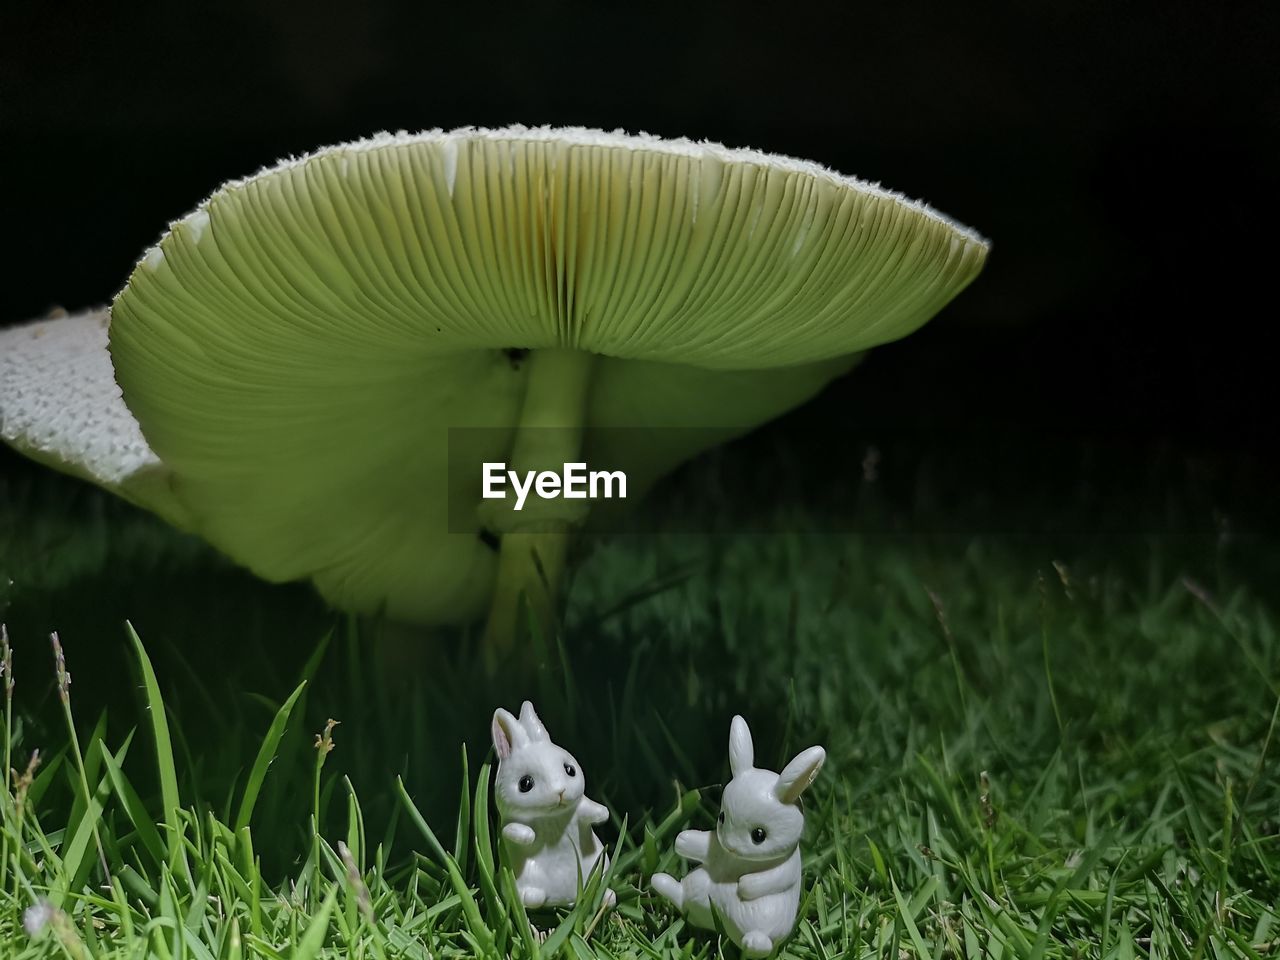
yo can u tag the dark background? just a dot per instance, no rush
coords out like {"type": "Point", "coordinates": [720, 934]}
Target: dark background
{"type": "Point", "coordinates": [1120, 156]}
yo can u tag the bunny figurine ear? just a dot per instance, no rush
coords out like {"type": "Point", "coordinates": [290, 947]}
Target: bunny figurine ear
{"type": "Point", "coordinates": [741, 752]}
{"type": "Point", "coordinates": [529, 720]}
{"type": "Point", "coordinates": [799, 774]}
{"type": "Point", "coordinates": [508, 733]}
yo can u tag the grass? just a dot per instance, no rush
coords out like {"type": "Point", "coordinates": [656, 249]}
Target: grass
{"type": "Point", "coordinates": [1038, 746]}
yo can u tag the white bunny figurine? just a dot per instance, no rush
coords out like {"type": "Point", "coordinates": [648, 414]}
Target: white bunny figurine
{"type": "Point", "coordinates": [546, 816]}
{"type": "Point", "coordinates": [750, 873]}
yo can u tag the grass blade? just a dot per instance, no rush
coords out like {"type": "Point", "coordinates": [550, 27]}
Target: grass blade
{"type": "Point", "coordinates": [164, 748]}
{"type": "Point", "coordinates": [266, 753]}
{"type": "Point", "coordinates": [132, 803]}
{"type": "Point", "coordinates": [313, 938]}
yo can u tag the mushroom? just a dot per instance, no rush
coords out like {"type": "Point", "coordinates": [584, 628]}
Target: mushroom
{"type": "Point", "coordinates": [298, 348]}
{"type": "Point", "coordinates": [59, 405]}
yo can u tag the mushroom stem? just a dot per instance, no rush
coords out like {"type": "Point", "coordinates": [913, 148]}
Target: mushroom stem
{"type": "Point", "coordinates": [535, 541]}
{"type": "Point", "coordinates": [529, 568]}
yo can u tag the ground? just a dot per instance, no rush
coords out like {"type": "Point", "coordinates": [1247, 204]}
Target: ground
{"type": "Point", "coordinates": [1042, 742]}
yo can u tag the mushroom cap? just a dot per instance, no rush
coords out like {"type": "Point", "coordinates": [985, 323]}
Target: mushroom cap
{"type": "Point", "coordinates": [297, 348]}
{"type": "Point", "coordinates": [60, 405]}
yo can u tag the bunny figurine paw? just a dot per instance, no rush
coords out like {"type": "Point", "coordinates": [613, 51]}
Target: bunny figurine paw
{"type": "Point", "coordinates": [749, 873]}
{"type": "Point", "coordinates": [547, 818]}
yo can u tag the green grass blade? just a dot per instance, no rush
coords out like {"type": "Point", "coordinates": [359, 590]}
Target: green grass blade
{"type": "Point", "coordinates": [519, 916]}
{"type": "Point", "coordinates": [485, 866]}
{"type": "Point", "coordinates": [471, 911]}
{"type": "Point", "coordinates": [908, 921]}
{"type": "Point", "coordinates": [77, 854]}
{"type": "Point", "coordinates": [164, 748]}
{"type": "Point", "coordinates": [132, 803]}
{"type": "Point", "coordinates": [262, 763]}
{"type": "Point", "coordinates": [313, 938]}
{"type": "Point", "coordinates": [462, 839]}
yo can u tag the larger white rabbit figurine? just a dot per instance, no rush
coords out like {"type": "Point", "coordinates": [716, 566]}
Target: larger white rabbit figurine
{"type": "Point", "coordinates": [750, 872]}
{"type": "Point", "coordinates": [546, 815]}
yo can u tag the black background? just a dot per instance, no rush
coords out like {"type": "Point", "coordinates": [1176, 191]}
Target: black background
{"type": "Point", "coordinates": [1120, 156]}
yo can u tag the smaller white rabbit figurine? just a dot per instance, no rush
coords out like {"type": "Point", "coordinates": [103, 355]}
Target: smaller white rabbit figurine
{"type": "Point", "coordinates": [546, 815]}
{"type": "Point", "coordinates": [750, 873]}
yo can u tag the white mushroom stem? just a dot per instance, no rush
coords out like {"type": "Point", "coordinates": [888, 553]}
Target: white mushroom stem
{"type": "Point", "coordinates": [535, 541]}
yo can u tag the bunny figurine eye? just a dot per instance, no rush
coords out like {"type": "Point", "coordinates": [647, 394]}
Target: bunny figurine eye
{"type": "Point", "coordinates": [749, 877]}
{"type": "Point", "coordinates": [546, 815]}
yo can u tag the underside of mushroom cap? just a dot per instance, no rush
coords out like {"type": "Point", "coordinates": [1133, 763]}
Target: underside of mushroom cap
{"type": "Point", "coordinates": [627, 246]}
{"type": "Point", "coordinates": [297, 348]}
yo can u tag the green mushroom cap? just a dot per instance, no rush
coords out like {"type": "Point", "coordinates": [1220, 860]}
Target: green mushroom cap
{"type": "Point", "coordinates": [297, 349]}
